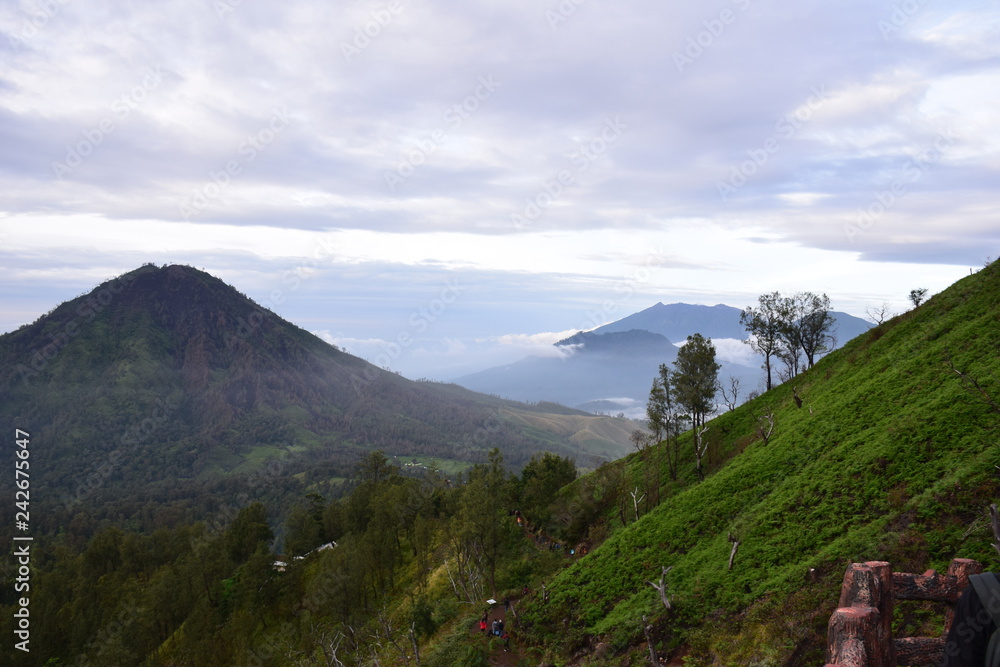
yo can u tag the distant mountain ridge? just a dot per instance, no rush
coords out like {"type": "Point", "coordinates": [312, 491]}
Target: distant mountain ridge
{"type": "Point", "coordinates": [615, 359]}
{"type": "Point", "coordinates": [610, 368]}
{"type": "Point", "coordinates": [677, 321]}
{"type": "Point", "coordinates": [635, 339]}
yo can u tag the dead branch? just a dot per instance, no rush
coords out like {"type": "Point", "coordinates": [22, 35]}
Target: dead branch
{"type": "Point", "coordinates": [700, 447]}
{"type": "Point", "coordinates": [731, 397]}
{"type": "Point", "coordinates": [972, 386]}
{"type": "Point", "coordinates": [661, 588]}
{"type": "Point", "coordinates": [390, 637]}
{"type": "Point", "coordinates": [765, 430]}
{"type": "Point", "coordinates": [636, 501]}
{"type": "Point", "coordinates": [649, 642]}
{"type": "Point", "coordinates": [879, 314]}
{"type": "Point", "coordinates": [330, 643]}
{"type": "Point", "coordinates": [732, 553]}
{"type": "Point", "coordinates": [416, 645]}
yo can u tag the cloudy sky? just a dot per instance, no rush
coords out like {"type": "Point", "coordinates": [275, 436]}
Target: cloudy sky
{"type": "Point", "coordinates": [480, 177]}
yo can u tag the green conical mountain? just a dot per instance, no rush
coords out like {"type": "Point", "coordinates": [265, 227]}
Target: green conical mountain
{"type": "Point", "coordinates": [891, 455]}
{"type": "Point", "coordinates": [168, 376]}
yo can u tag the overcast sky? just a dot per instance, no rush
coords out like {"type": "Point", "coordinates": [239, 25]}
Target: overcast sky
{"type": "Point", "coordinates": [481, 177]}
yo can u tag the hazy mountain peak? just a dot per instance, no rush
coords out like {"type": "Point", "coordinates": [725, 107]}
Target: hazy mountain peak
{"type": "Point", "coordinates": [593, 341]}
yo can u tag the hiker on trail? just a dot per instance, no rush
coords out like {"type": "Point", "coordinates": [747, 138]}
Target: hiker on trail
{"type": "Point", "coordinates": [499, 627]}
{"type": "Point", "coordinates": [972, 640]}
{"type": "Point", "coordinates": [482, 624]}
{"type": "Point", "coordinates": [494, 628]}
{"type": "Point", "coordinates": [506, 641]}
{"type": "Point", "coordinates": [506, 604]}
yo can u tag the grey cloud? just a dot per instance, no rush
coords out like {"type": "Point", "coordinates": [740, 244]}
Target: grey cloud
{"type": "Point", "coordinates": [356, 118]}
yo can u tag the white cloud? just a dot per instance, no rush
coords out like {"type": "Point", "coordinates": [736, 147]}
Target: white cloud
{"type": "Point", "coordinates": [536, 345]}
{"type": "Point", "coordinates": [606, 205]}
{"type": "Point", "coordinates": [735, 351]}
{"type": "Point", "coordinates": [732, 350]}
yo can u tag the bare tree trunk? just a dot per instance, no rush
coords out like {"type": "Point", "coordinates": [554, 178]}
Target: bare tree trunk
{"type": "Point", "coordinates": [765, 431]}
{"type": "Point", "coordinates": [732, 554]}
{"type": "Point", "coordinates": [636, 501]}
{"type": "Point", "coordinates": [391, 639]}
{"type": "Point", "coordinates": [649, 642]}
{"type": "Point", "coordinates": [661, 588]}
{"type": "Point", "coordinates": [416, 645]}
{"type": "Point", "coordinates": [700, 446]}
{"type": "Point", "coordinates": [731, 396]}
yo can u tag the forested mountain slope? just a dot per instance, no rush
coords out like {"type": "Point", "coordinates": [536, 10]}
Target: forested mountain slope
{"type": "Point", "coordinates": [164, 381]}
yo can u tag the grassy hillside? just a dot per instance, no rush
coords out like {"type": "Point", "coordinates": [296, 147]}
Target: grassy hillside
{"type": "Point", "coordinates": [891, 457]}
{"type": "Point", "coordinates": [601, 436]}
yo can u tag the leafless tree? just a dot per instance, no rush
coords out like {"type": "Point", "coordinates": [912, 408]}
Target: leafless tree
{"type": "Point", "coordinates": [636, 500]}
{"type": "Point", "coordinates": [700, 447]}
{"type": "Point", "coordinates": [329, 643]}
{"type": "Point", "coordinates": [879, 314]}
{"type": "Point", "coordinates": [765, 426]}
{"type": "Point", "coordinates": [975, 388]}
{"type": "Point", "coordinates": [649, 642]}
{"type": "Point", "coordinates": [731, 396]}
{"type": "Point", "coordinates": [390, 636]}
{"type": "Point", "coordinates": [640, 439]}
{"type": "Point", "coordinates": [416, 644]}
{"type": "Point", "coordinates": [661, 588]}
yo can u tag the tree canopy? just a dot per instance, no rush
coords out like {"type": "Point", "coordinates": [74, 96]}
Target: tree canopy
{"type": "Point", "coordinates": [783, 327]}
{"type": "Point", "coordinates": [695, 378]}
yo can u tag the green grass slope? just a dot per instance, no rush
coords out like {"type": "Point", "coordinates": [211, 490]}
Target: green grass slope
{"type": "Point", "coordinates": [890, 457]}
